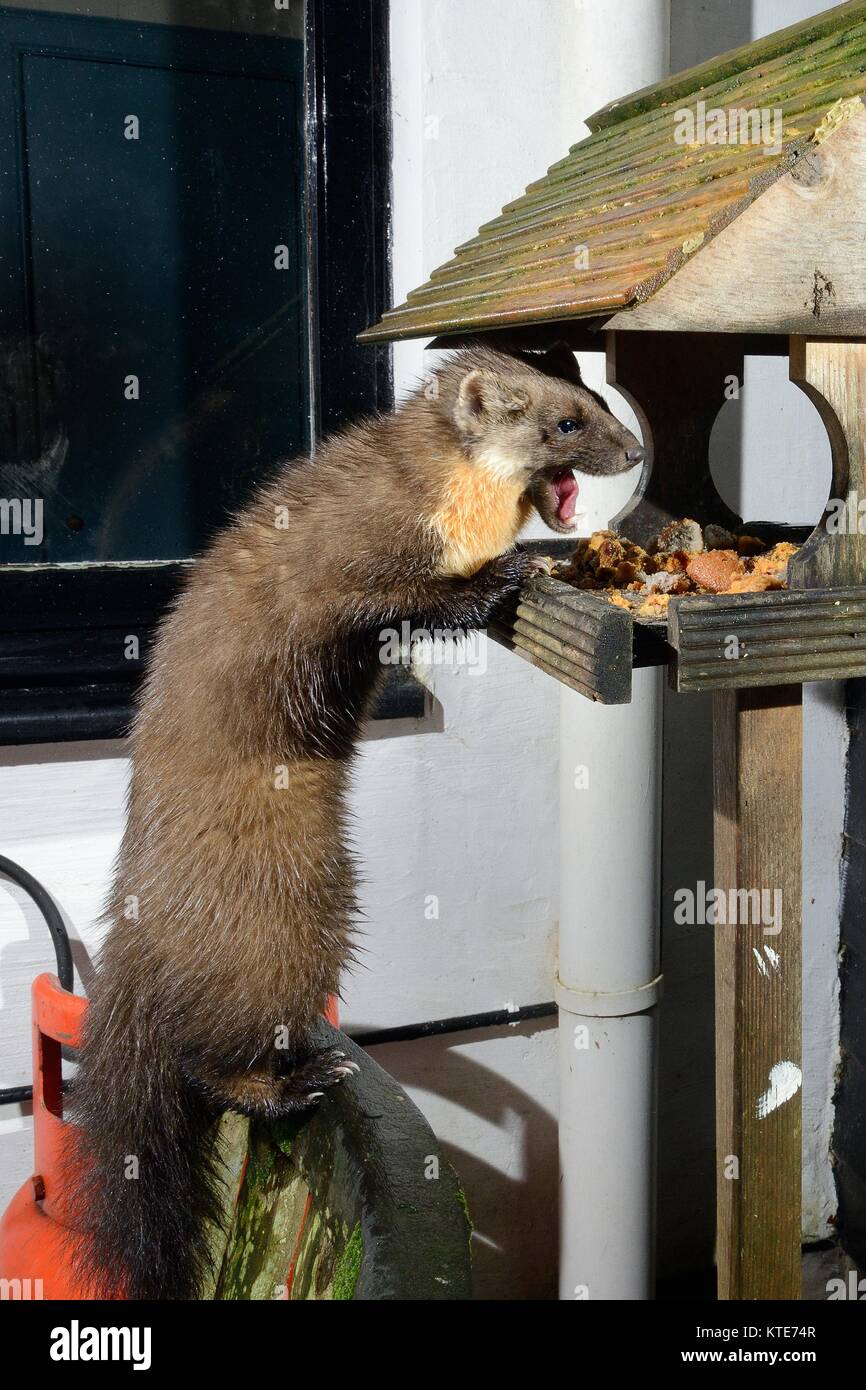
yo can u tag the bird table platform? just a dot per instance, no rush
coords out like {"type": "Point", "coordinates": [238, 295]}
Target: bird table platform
{"type": "Point", "coordinates": [718, 213]}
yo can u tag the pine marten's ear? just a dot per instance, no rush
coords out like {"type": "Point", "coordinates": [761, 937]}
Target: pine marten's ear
{"type": "Point", "coordinates": [483, 398]}
{"type": "Point", "coordinates": [559, 360]}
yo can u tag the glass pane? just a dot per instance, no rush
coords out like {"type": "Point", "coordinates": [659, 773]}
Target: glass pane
{"type": "Point", "coordinates": [160, 363]}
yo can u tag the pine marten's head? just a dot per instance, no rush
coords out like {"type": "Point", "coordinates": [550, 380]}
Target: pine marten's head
{"type": "Point", "coordinates": [530, 421]}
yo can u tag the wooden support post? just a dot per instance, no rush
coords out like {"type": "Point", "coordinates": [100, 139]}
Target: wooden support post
{"type": "Point", "coordinates": [833, 375]}
{"type": "Point", "coordinates": [758, 851]}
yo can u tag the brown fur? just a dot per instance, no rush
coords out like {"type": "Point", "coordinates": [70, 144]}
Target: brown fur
{"type": "Point", "coordinates": [233, 904]}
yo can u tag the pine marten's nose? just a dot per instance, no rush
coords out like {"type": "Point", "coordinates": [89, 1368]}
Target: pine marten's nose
{"type": "Point", "coordinates": [633, 456]}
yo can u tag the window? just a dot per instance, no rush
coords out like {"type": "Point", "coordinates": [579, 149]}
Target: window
{"type": "Point", "coordinates": [178, 310]}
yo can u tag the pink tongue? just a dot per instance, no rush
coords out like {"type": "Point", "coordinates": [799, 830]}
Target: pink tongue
{"type": "Point", "coordinates": [566, 494]}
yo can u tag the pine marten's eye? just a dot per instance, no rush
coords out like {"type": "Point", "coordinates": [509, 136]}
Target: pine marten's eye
{"type": "Point", "coordinates": [568, 426]}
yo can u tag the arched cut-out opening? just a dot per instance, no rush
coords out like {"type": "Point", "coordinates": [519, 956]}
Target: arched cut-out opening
{"type": "Point", "coordinates": [604, 498]}
{"type": "Point", "coordinates": [769, 453]}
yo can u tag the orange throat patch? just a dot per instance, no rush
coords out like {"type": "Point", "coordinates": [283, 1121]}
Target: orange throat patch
{"type": "Point", "coordinates": [481, 517]}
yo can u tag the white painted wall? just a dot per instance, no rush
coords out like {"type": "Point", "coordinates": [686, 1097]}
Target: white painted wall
{"type": "Point", "coordinates": [463, 808]}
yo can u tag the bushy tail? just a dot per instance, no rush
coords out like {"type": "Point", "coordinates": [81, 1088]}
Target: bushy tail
{"type": "Point", "coordinates": [141, 1168]}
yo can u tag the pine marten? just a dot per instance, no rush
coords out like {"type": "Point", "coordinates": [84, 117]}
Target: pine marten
{"type": "Point", "coordinates": [230, 919]}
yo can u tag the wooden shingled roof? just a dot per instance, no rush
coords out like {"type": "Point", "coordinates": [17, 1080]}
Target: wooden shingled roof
{"type": "Point", "coordinates": [629, 205]}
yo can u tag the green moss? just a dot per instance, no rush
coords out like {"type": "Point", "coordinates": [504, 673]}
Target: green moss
{"type": "Point", "coordinates": [284, 1132]}
{"type": "Point", "coordinates": [461, 1197]}
{"type": "Point", "coordinates": [349, 1266]}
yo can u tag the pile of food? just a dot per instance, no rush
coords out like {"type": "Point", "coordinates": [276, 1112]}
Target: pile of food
{"type": "Point", "coordinates": [683, 559]}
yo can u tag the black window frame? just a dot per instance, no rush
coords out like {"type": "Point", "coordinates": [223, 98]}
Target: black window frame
{"type": "Point", "coordinates": [63, 672]}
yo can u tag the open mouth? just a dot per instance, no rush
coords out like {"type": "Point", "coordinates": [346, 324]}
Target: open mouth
{"type": "Point", "coordinates": [564, 487]}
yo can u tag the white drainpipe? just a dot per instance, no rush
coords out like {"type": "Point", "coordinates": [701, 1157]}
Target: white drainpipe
{"type": "Point", "coordinates": [607, 988]}
{"type": "Point", "coordinates": [609, 981]}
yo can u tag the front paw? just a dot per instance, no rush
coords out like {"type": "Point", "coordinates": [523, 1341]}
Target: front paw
{"type": "Point", "coordinates": [509, 572]}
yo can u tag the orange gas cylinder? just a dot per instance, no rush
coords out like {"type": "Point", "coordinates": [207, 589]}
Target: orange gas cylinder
{"type": "Point", "coordinates": [34, 1258]}
{"type": "Point", "coordinates": [34, 1254]}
